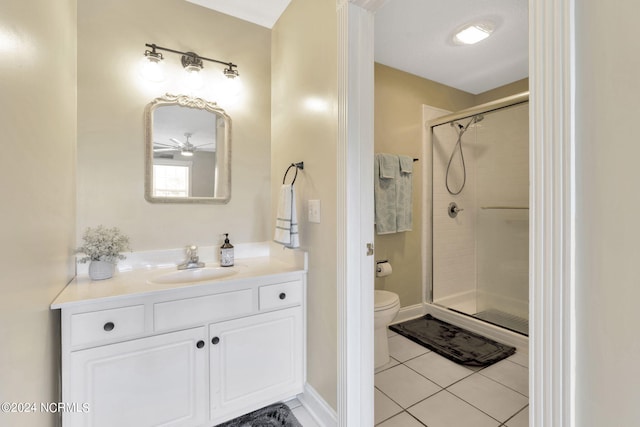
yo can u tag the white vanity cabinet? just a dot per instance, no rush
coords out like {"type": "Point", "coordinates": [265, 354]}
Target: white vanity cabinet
{"type": "Point", "coordinates": [255, 360]}
{"type": "Point", "coordinates": [152, 381]}
{"type": "Point", "coordinates": [191, 356]}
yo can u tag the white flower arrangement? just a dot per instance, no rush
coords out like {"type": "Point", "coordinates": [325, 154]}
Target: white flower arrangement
{"type": "Point", "coordinates": [103, 244]}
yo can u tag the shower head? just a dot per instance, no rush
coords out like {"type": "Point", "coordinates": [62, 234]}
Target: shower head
{"type": "Point", "coordinates": [475, 119]}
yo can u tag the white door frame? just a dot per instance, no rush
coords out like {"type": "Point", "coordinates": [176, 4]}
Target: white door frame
{"type": "Point", "coordinates": [355, 214]}
{"type": "Point", "coordinates": [551, 58]}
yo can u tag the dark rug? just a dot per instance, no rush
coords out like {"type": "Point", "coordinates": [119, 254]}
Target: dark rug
{"type": "Point", "coordinates": [276, 415]}
{"type": "Point", "coordinates": [454, 343]}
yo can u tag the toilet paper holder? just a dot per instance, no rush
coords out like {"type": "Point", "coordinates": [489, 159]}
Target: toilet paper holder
{"type": "Point", "coordinates": [378, 269]}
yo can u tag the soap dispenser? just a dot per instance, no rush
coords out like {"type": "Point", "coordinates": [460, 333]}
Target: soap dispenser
{"type": "Point", "coordinates": [226, 252]}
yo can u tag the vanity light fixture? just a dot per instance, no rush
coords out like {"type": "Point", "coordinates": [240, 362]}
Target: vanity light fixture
{"type": "Point", "coordinates": [473, 33]}
{"type": "Point", "coordinates": [192, 62]}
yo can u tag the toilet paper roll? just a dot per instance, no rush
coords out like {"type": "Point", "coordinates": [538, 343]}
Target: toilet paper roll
{"type": "Point", "coordinates": [383, 269]}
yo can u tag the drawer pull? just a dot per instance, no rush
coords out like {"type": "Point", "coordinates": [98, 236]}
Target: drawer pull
{"type": "Point", "coordinates": [283, 295]}
{"type": "Point", "coordinates": [109, 326]}
{"type": "Point", "coordinates": [200, 344]}
{"type": "Point", "coordinates": [215, 340]}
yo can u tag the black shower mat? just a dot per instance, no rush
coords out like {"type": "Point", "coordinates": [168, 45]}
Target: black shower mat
{"type": "Point", "coordinates": [454, 343]}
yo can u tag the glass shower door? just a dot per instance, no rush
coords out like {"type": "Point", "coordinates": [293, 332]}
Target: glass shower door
{"type": "Point", "coordinates": [480, 255]}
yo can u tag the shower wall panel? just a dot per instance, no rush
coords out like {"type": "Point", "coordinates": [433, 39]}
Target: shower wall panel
{"type": "Point", "coordinates": [454, 249]}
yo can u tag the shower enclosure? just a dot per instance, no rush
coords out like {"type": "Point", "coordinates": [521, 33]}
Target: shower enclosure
{"type": "Point", "coordinates": [480, 215]}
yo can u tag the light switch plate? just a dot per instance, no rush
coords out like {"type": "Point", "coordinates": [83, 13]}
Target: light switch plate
{"type": "Point", "coordinates": [314, 211]}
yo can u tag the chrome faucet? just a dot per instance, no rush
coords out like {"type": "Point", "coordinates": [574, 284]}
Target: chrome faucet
{"type": "Point", "coordinates": [193, 260]}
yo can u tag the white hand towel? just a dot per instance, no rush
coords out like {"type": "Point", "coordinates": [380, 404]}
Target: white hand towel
{"type": "Point", "coordinates": [286, 232]}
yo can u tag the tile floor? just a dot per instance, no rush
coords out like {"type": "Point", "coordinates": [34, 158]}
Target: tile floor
{"type": "Point", "coordinates": [420, 388]}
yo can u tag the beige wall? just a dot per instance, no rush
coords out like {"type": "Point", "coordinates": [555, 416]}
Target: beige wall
{"type": "Point", "coordinates": [304, 47]}
{"type": "Point", "coordinates": [399, 97]}
{"type": "Point", "coordinates": [37, 171]}
{"type": "Point", "coordinates": [607, 203]}
{"type": "Point", "coordinates": [111, 100]}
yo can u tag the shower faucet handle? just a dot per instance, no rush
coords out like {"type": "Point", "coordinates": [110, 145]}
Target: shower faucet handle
{"type": "Point", "coordinates": [453, 210]}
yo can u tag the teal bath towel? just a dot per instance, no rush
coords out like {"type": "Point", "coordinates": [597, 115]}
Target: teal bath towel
{"type": "Point", "coordinates": [393, 193]}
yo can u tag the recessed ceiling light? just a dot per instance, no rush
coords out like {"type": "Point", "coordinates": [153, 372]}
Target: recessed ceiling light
{"type": "Point", "coordinates": [473, 33]}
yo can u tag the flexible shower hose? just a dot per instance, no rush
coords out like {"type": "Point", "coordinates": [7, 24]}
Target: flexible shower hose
{"type": "Point", "coordinates": [464, 168]}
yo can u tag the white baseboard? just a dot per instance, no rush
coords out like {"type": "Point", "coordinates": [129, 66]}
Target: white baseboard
{"type": "Point", "coordinates": [317, 407]}
{"type": "Point", "coordinates": [409, 312]}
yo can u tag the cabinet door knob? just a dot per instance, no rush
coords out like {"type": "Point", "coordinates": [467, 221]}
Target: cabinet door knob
{"type": "Point", "coordinates": [215, 340]}
{"type": "Point", "coordinates": [283, 295]}
{"type": "Point", "coordinates": [200, 344]}
{"type": "Point", "coordinates": [109, 326]}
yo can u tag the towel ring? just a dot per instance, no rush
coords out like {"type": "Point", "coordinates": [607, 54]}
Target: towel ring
{"type": "Point", "coordinates": [299, 165]}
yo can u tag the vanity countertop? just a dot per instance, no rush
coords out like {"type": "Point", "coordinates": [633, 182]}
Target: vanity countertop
{"type": "Point", "coordinates": [125, 284]}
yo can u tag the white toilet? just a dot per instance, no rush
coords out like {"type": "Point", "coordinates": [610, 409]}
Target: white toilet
{"type": "Point", "coordinates": [387, 305]}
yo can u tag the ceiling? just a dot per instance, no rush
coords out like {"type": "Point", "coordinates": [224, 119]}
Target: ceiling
{"type": "Point", "coordinates": [416, 36]}
{"type": "Point", "coordinates": [262, 12]}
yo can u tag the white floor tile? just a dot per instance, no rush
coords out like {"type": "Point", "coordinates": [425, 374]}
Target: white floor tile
{"type": "Point", "coordinates": [405, 386]}
{"type": "Point", "coordinates": [402, 349]}
{"type": "Point", "coordinates": [521, 358]}
{"type": "Point", "coordinates": [520, 420]}
{"type": "Point", "coordinates": [446, 410]}
{"type": "Point", "coordinates": [489, 396]}
{"type": "Point", "coordinates": [392, 362]}
{"type": "Point", "coordinates": [403, 419]}
{"type": "Point", "coordinates": [384, 408]}
{"type": "Point", "coordinates": [438, 369]}
{"type": "Point", "coordinates": [510, 374]}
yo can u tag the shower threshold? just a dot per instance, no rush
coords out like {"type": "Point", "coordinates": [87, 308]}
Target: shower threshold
{"type": "Point", "coordinates": [505, 320]}
{"type": "Point", "coordinates": [499, 318]}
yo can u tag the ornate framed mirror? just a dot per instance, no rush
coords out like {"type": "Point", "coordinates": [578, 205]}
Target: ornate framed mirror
{"type": "Point", "coordinates": [187, 151]}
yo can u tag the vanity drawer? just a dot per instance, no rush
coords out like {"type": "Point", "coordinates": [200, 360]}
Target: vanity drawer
{"type": "Point", "coordinates": [106, 325]}
{"type": "Point", "coordinates": [280, 295]}
{"type": "Point", "coordinates": [199, 310]}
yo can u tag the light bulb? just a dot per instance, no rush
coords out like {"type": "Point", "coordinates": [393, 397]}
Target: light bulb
{"type": "Point", "coordinates": [234, 86]}
{"type": "Point", "coordinates": [152, 67]}
{"type": "Point", "coordinates": [193, 78]}
{"type": "Point", "coordinates": [229, 89]}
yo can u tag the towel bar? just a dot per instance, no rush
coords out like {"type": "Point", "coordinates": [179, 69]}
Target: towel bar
{"type": "Point", "coordinates": [299, 165]}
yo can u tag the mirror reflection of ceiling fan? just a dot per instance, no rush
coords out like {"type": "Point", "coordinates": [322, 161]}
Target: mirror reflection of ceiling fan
{"type": "Point", "coordinates": [185, 148]}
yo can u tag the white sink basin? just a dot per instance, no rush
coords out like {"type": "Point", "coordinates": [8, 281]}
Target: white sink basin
{"type": "Point", "coordinates": [194, 275]}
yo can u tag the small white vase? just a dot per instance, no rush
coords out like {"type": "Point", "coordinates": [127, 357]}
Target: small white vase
{"type": "Point", "coordinates": [100, 270]}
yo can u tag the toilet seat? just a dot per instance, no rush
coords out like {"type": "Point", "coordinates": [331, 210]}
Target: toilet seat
{"type": "Point", "coordinates": [383, 300]}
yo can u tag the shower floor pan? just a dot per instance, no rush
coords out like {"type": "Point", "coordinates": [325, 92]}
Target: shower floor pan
{"type": "Point", "coordinates": [505, 320]}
